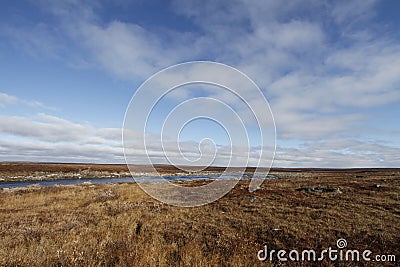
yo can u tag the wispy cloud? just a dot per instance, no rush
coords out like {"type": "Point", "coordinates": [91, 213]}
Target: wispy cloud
{"type": "Point", "coordinates": [6, 99]}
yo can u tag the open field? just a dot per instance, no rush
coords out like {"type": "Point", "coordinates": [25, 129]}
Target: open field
{"type": "Point", "coordinates": [22, 171]}
{"type": "Point", "coordinates": [105, 225]}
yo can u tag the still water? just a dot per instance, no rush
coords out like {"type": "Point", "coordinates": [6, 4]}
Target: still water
{"type": "Point", "coordinates": [18, 184]}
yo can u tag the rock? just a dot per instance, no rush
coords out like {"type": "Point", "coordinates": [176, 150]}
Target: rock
{"type": "Point", "coordinates": [275, 229]}
{"type": "Point", "coordinates": [319, 189]}
{"type": "Point", "coordinates": [337, 190]}
{"type": "Point", "coordinates": [258, 188]}
{"type": "Point", "coordinates": [251, 199]}
{"type": "Point", "coordinates": [306, 188]}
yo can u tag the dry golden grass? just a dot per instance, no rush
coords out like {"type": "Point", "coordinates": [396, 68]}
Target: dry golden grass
{"type": "Point", "coordinates": [107, 225]}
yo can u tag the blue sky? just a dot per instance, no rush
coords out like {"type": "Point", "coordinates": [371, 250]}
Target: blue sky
{"type": "Point", "coordinates": [330, 70]}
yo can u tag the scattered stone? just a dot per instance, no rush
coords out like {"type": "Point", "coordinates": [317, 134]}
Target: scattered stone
{"type": "Point", "coordinates": [319, 189]}
{"type": "Point", "coordinates": [306, 188]}
{"type": "Point", "coordinates": [376, 186]}
{"type": "Point", "coordinates": [251, 199]}
{"type": "Point", "coordinates": [257, 188]}
{"type": "Point", "coordinates": [275, 229]}
{"type": "Point", "coordinates": [106, 195]}
{"type": "Point", "coordinates": [337, 190]}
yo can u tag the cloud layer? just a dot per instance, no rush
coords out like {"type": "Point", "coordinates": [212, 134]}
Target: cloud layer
{"type": "Point", "coordinates": [324, 66]}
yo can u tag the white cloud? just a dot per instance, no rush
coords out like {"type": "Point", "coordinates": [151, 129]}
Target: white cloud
{"type": "Point", "coordinates": [342, 153]}
{"type": "Point", "coordinates": [319, 63]}
{"type": "Point", "coordinates": [34, 150]}
{"type": "Point", "coordinates": [7, 99]}
{"type": "Point", "coordinates": [124, 49]}
{"type": "Point", "coordinates": [353, 11]}
{"type": "Point", "coordinates": [49, 138]}
{"type": "Point", "coordinates": [44, 128]}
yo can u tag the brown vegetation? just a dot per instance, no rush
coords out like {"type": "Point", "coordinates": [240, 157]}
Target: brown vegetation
{"type": "Point", "coordinates": [107, 225]}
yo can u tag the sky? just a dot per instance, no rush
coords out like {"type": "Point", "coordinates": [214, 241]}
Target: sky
{"type": "Point", "coordinates": [329, 69]}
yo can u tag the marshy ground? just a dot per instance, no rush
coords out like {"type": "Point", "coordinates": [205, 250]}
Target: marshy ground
{"type": "Point", "coordinates": [106, 225]}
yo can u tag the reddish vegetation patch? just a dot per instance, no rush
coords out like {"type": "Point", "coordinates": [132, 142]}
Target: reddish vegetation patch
{"type": "Point", "coordinates": [106, 225]}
